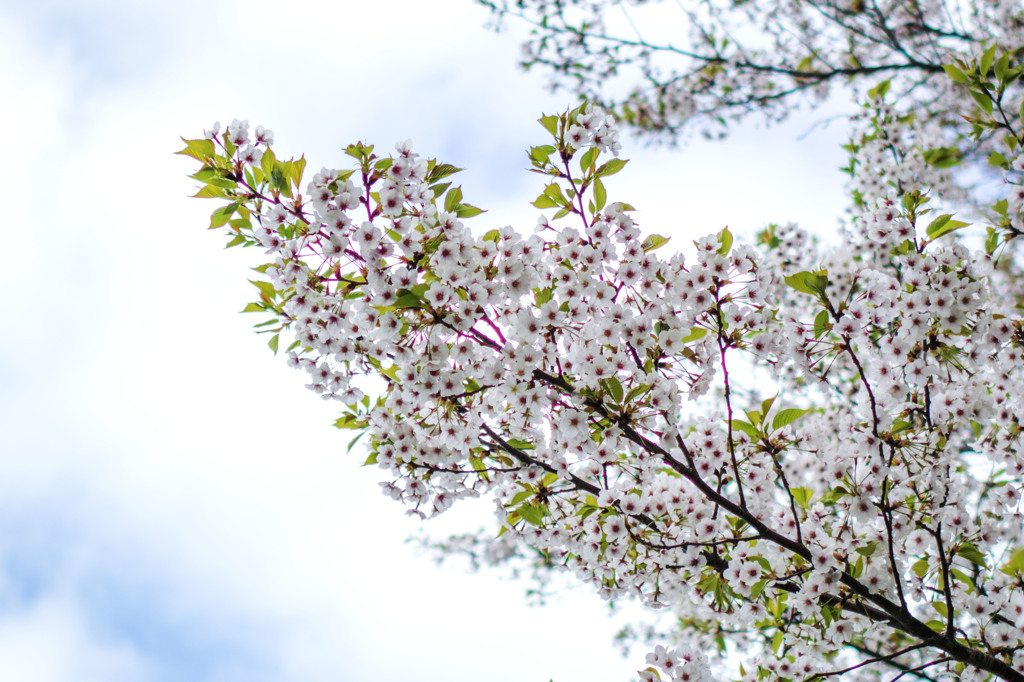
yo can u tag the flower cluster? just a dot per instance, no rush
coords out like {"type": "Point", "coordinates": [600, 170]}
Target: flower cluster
{"type": "Point", "coordinates": [813, 455]}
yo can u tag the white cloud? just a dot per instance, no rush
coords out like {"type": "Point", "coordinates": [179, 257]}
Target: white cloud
{"type": "Point", "coordinates": [51, 642]}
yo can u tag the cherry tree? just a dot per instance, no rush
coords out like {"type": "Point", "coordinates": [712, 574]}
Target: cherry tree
{"type": "Point", "coordinates": [860, 518]}
{"type": "Point", "coordinates": [666, 66]}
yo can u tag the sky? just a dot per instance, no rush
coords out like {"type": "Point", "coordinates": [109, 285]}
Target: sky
{"type": "Point", "coordinates": [173, 503]}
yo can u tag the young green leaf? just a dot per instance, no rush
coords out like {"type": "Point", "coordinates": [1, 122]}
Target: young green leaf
{"type": "Point", "coordinates": [725, 239]}
{"type": "Point", "coordinates": [453, 199]}
{"type": "Point", "coordinates": [943, 225]}
{"type": "Point", "coordinates": [972, 554]}
{"type": "Point", "coordinates": [802, 496]}
{"type": "Point", "coordinates": [611, 167]}
{"type": "Point", "coordinates": [746, 427]}
{"type": "Point", "coordinates": [986, 60]}
{"type": "Point", "coordinates": [955, 74]}
{"type": "Point", "coordinates": [533, 513]}
{"type": "Point", "coordinates": [787, 417]}
{"type": "Point", "coordinates": [468, 210]}
{"type": "Point", "coordinates": [652, 242]}
{"type": "Point", "coordinates": [198, 149]}
{"type": "Point", "coordinates": [440, 171]}
{"type": "Point", "coordinates": [600, 196]}
{"type": "Point", "coordinates": [550, 124]}
{"type": "Point", "coordinates": [614, 389]}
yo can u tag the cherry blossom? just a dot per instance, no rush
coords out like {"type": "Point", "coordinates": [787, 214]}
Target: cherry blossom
{"type": "Point", "coordinates": [860, 517]}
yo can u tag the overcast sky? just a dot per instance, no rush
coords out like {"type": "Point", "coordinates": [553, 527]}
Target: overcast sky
{"type": "Point", "coordinates": [174, 505]}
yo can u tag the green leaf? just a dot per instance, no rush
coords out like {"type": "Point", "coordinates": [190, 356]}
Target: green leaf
{"type": "Point", "coordinates": [267, 161]}
{"type": "Point", "coordinates": [955, 74]}
{"type": "Point", "coordinates": [797, 282]}
{"type": "Point", "coordinates": [274, 340]}
{"type": "Point", "coordinates": [942, 157]}
{"type": "Point", "coordinates": [725, 239]}
{"type": "Point", "coordinates": [880, 89]}
{"type": "Point", "coordinates": [1015, 566]}
{"type": "Point", "coordinates": [296, 169]}
{"type": "Point", "coordinates": [986, 60]}
{"type": "Point", "coordinates": [637, 391]}
{"type": "Point", "coordinates": [899, 425]}
{"type": "Point", "coordinates": [747, 428]}
{"type": "Point", "coordinates": [802, 496]}
{"type": "Point", "coordinates": [441, 170]}
{"type": "Point", "coordinates": [278, 178]}
{"type": "Point", "coordinates": [468, 210]}
{"type": "Point", "coordinates": [600, 196]}
{"type": "Point", "coordinates": [544, 201]}
{"type": "Point", "coordinates": [266, 288]}
{"type": "Point", "coordinates": [920, 567]}
{"type": "Point", "coordinates": [440, 188]}
{"type": "Point", "coordinates": [991, 240]}
{"type": "Point", "coordinates": [834, 495]}
{"type": "Point", "coordinates": [983, 99]}
{"type": "Point", "coordinates": [223, 183]}
{"type": "Point", "coordinates": [652, 242]}
{"type": "Point", "coordinates": [352, 444]}
{"type": "Point", "coordinates": [407, 300]}
{"type": "Point", "coordinates": [943, 225]}
{"type": "Point", "coordinates": [540, 155]}
{"type": "Point", "coordinates": [520, 444]}
{"type": "Point", "coordinates": [550, 124]}
{"type": "Point", "coordinates": [941, 608]}
{"type": "Point", "coordinates": [555, 192]}
{"type": "Point", "coordinates": [777, 641]}
{"type": "Point", "coordinates": [533, 513]}
{"type": "Point", "coordinates": [210, 192]}
{"type": "Point", "coordinates": [695, 334]}
{"type": "Point", "coordinates": [787, 417]}
{"type": "Point", "coordinates": [614, 388]}
{"type": "Point", "coordinates": [521, 496]}
{"type": "Point", "coordinates": [453, 199]}
{"type": "Point", "coordinates": [1002, 66]}
{"type": "Point", "coordinates": [588, 158]}
{"type": "Point", "coordinates": [222, 215]}
{"type": "Point", "coordinates": [813, 283]}
{"type": "Point", "coordinates": [253, 308]}
{"type": "Point", "coordinates": [868, 549]}
{"type": "Point", "coordinates": [972, 554]}
{"type": "Point", "coordinates": [542, 296]}
{"type": "Point", "coordinates": [998, 160]}
{"type": "Point", "coordinates": [198, 149]}
{"type": "Point", "coordinates": [821, 324]}
{"type": "Point", "coordinates": [611, 167]}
